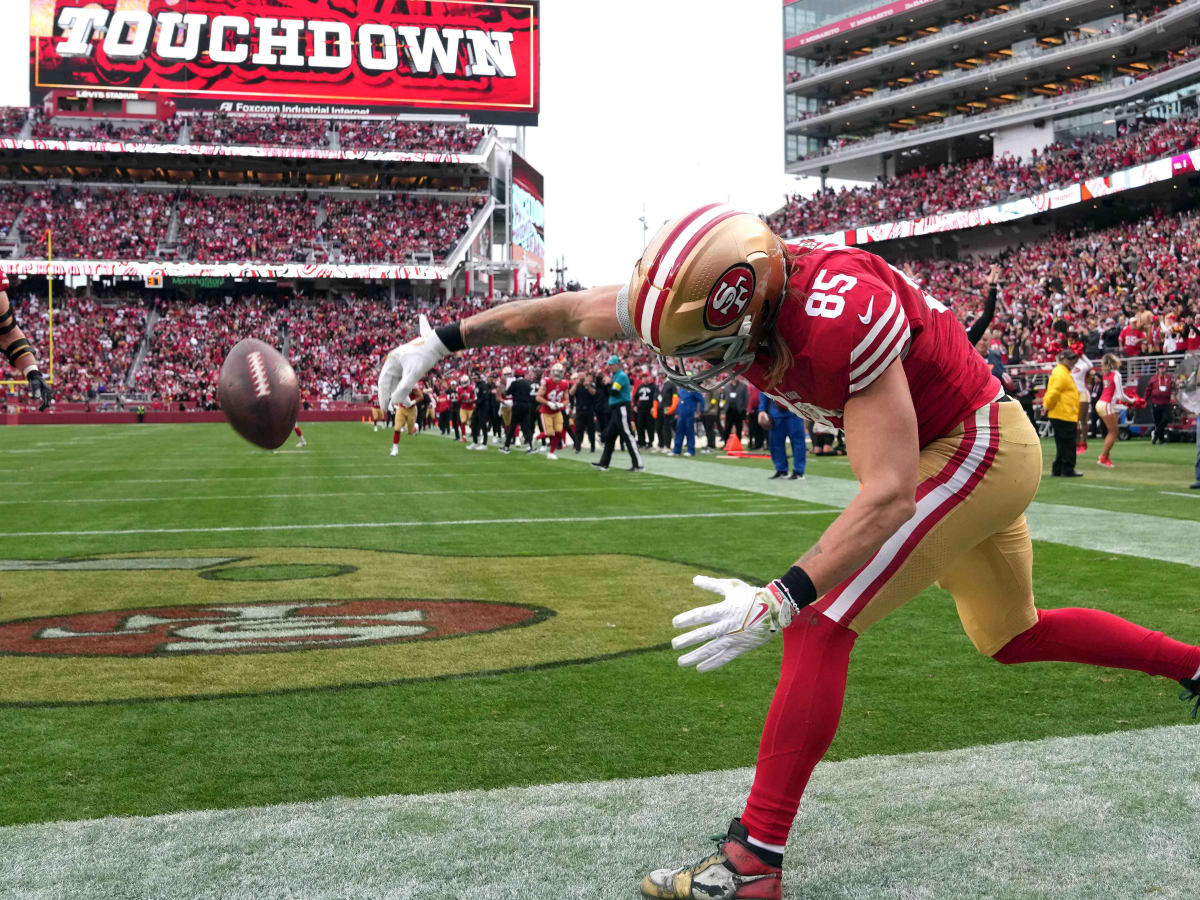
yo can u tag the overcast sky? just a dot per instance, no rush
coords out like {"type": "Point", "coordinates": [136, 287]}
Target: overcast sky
{"type": "Point", "coordinates": [670, 103]}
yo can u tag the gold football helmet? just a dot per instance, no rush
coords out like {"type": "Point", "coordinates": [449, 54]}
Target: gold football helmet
{"type": "Point", "coordinates": [707, 286]}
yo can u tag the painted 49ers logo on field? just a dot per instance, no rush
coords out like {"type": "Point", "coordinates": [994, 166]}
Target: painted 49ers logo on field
{"type": "Point", "coordinates": [254, 628]}
{"type": "Point", "coordinates": [729, 297]}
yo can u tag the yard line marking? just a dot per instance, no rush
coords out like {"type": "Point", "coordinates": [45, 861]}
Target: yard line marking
{"type": "Point", "coordinates": [1195, 496]}
{"type": "Point", "coordinates": [1103, 487]}
{"type": "Point", "coordinates": [457, 522]}
{"type": "Point", "coordinates": [170, 499]}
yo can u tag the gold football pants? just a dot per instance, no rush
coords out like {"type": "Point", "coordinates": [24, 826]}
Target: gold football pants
{"type": "Point", "coordinates": [968, 534]}
{"type": "Point", "coordinates": [552, 423]}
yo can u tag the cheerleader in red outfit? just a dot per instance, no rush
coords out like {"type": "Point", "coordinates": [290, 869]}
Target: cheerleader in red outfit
{"type": "Point", "coordinates": [1112, 400]}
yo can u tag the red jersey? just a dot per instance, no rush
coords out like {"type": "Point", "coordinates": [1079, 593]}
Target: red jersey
{"type": "Point", "coordinates": [443, 403]}
{"type": "Point", "coordinates": [1131, 340]}
{"type": "Point", "coordinates": [1160, 389]}
{"type": "Point", "coordinates": [1193, 342]}
{"type": "Point", "coordinates": [555, 392]}
{"type": "Point", "coordinates": [466, 397]}
{"type": "Point", "coordinates": [846, 317]}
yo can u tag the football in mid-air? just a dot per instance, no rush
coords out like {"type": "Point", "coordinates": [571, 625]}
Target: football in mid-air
{"type": "Point", "coordinates": [259, 393]}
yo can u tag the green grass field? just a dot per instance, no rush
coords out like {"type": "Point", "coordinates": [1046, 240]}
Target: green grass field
{"type": "Point", "coordinates": [582, 689]}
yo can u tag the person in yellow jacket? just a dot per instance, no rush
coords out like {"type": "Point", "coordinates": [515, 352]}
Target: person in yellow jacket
{"type": "Point", "coordinates": [1061, 402]}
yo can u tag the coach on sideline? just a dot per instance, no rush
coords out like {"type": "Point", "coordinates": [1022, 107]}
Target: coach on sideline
{"type": "Point", "coordinates": [620, 396]}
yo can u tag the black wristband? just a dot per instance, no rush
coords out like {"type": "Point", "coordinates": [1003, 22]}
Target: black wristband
{"type": "Point", "coordinates": [451, 336]}
{"type": "Point", "coordinates": [992, 290]}
{"type": "Point", "coordinates": [797, 588]}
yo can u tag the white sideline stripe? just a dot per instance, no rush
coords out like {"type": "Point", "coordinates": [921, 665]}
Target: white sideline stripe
{"type": "Point", "coordinates": [1139, 534]}
{"type": "Point", "coordinates": [338, 525]}
{"type": "Point", "coordinates": [1104, 487]}
{"type": "Point", "coordinates": [990, 823]}
{"type": "Point", "coordinates": [926, 507]}
{"type": "Point", "coordinates": [875, 329]}
{"type": "Point", "coordinates": [306, 496]}
{"type": "Point", "coordinates": [1192, 496]}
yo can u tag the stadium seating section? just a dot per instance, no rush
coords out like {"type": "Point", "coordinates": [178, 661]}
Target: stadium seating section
{"type": "Point", "coordinates": [985, 181]}
{"type": "Point", "coordinates": [279, 227]}
{"type": "Point", "coordinates": [265, 131]}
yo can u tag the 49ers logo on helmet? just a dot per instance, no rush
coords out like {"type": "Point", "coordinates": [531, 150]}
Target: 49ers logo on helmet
{"type": "Point", "coordinates": [729, 297]}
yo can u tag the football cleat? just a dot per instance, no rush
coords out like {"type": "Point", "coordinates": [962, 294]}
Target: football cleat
{"type": "Point", "coordinates": [637, 468]}
{"type": "Point", "coordinates": [551, 456]}
{"type": "Point", "coordinates": [733, 872]}
{"type": "Point", "coordinates": [597, 465]}
{"type": "Point", "coordinates": [395, 451]}
{"type": "Point", "coordinates": [1106, 462]}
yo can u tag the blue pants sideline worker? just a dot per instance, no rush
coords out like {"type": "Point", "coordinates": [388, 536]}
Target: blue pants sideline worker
{"type": "Point", "coordinates": [685, 420]}
{"type": "Point", "coordinates": [785, 424]}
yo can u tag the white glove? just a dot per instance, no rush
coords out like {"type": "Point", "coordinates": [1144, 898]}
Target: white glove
{"type": "Point", "coordinates": [745, 619]}
{"type": "Point", "coordinates": [408, 364]}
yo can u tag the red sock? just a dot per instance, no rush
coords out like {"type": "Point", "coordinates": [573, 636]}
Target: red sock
{"type": "Point", "coordinates": [1101, 639]}
{"type": "Point", "coordinates": [395, 437]}
{"type": "Point", "coordinates": [800, 726]}
{"type": "Point", "coordinates": [556, 442]}
{"type": "Point", "coordinates": [298, 434]}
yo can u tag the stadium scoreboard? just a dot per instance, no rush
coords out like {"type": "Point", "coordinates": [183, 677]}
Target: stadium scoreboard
{"type": "Point", "coordinates": [310, 57]}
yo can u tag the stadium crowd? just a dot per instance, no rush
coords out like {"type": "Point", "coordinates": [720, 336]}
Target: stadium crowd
{"type": "Point", "coordinates": [100, 223]}
{"type": "Point", "coordinates": [245, 227]}
{"type": "Point", "coordinates": [395, 226]}
{"type": "Point", "coordinates": [1133, 289]}
{"type": "Point", "coordinates": [395, 134]}
{"type": "Point", "coordinates": [281, 227]}
{"type": "Point", "coordinates": [266, 131]}
{"type": "Point", "coordinates": [985, 181]}
{"type": "Point", "coordinates": [164, 131]}
{"type": "Point", "coordinates": [94, 341]}
{"type": "Point", "coordinates": [190, 342]}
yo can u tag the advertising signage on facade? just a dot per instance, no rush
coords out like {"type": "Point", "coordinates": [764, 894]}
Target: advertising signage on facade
{"type": "Point", "coordinates": [528, 216]}
{"type": "Point", "coordinates": [447, 56]}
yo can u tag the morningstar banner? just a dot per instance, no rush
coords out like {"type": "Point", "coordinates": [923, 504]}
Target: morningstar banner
{"type": "Point", "coordinates": [441, 56]}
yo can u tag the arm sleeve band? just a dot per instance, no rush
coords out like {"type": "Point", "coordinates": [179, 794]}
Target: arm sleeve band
{"type": "Point", "coordinates": [797, 588]}
{"type": "Point", "coordinates": [980, 325]}
{"type": "Point", "coordinates": [18, 350]}
{"type": "Point", "coordinates": [451, 336]}
{"type": "Point", "coordinates": [8, 321]}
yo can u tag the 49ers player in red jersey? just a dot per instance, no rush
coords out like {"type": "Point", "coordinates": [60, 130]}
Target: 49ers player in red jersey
{"type": "Point", "coordinates": [553, 396]}
{"type": "Point", "coordinates": [17, 350]}
{"type": "Point", "coordinates": [947, 465]}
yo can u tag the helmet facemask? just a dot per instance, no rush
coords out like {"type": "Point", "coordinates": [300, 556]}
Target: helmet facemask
{"type": "Point", "coordinates": [737, 354]}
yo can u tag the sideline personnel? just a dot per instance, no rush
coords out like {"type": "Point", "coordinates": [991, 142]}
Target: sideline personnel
{"type": "Point", "coordinates": [619, 396]}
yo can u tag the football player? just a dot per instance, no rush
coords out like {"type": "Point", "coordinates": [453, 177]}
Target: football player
{"type": "Point", "coordinates": [16, 348]}
{"type": "Point", "coordinates": [552, 395]}
{"type": "Point", "coordinates": [946, 461]}
{"type": "Point", "coordinates": [406, 419]}
{"type": "Point", "coordinates": [466, 407]}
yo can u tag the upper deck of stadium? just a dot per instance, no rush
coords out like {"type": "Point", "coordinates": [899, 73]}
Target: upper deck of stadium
{"type": "Point", "coordinates": [891, 87]}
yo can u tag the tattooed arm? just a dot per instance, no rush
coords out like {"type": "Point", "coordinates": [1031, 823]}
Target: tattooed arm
{"type": "Point", "coordinates": [591, 313]}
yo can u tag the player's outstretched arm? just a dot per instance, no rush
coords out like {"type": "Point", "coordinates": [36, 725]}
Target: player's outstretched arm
{"type": "Point", "coordinates": [16, 348]}
{"type": "Point", "coordinates": [591, 313]}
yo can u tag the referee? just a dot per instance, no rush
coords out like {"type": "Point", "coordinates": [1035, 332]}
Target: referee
{"type": "Point", "coordinates": [619, 397]}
